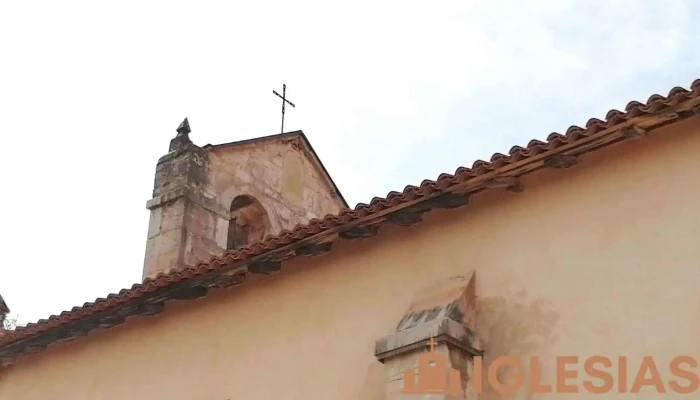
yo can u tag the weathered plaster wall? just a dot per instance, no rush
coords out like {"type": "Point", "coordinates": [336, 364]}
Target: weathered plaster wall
{"type": "Point", "coordinates": [600, 259]}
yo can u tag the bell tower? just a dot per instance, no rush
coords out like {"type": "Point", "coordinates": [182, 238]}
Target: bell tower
{"type": "Point", "coordinates": [210, 199]}
{"type": "Point", "coordinates": [4, 310]}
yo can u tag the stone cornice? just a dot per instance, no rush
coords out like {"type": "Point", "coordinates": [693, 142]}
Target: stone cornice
{"type": "Point", "coordinates": [441, 329]}
{"type": "Point", "coordinates": [191, 195]}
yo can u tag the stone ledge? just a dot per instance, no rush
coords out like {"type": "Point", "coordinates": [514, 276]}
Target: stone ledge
{"type": "Point", "coordinates": [442, 330]}
{"type": "Point", "coordinates": [187, 193]}
{"type": "Point", "coordinates": [165, 198]}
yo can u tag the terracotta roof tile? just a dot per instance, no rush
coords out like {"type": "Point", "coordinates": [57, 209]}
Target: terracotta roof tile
{"type": "Point", "coordinates": [25, 340]}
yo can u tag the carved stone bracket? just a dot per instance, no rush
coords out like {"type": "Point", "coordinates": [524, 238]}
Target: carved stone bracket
{"type": "Point", "coordinates": [561, 161]}
{"type": "Point", "coordinates": [450, 200]}
{"type": "Point", "coordinates": [442, 316]}
{"type": "Point", "coordinates": [634, 132]}
{"type": "Point", "coordinates": [510, 183]}
{"type": "Point", "coordinates": [265, 267]}
{"type": "Point", "coordinates": [404, 218]}
{"type": "Point", "coordinates": [359, 232]}
{"type": "Point", "coordinates": [313, 249]}
{"type": "Point", "coordinates": [696, 111]}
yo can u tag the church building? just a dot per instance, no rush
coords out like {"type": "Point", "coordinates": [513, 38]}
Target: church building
{"type": "Point", "coordinates": [508, 279]}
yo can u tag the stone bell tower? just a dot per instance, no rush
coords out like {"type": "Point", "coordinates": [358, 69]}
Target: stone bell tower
{"type": "Point", "coordinates": [4, 310]}
{"type": "Point", "coordinates": [214, 198]}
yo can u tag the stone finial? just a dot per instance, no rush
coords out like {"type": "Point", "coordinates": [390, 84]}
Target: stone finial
{"type": "Point", "coordinates": [184, 128]}
{"type": "Point", "coordinates": [182, 139]}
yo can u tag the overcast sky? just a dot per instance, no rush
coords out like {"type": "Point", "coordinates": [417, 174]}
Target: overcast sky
{"type": "Point", "coordinates": [388, 92]}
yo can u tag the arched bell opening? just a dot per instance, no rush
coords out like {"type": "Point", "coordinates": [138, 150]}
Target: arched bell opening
{"type": "Point", "coordinates": [249, 222]}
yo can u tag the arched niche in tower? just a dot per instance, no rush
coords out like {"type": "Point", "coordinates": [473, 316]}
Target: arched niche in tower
{"type": "Point", "coordinates": [249, 222]}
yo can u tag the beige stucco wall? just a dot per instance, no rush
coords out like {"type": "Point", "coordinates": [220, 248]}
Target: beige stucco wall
{"type": "Point", "coordinates": [612, 245]}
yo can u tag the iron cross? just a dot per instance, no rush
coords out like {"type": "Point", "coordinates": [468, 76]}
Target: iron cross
{"type": "Point", "coordinates": [284, 102]}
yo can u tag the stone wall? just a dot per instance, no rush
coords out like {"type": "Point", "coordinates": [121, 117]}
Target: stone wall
{"type": "Point", "coordinates": [180, 178]}
{"type": "Point", "coordinates": [194, 189]}
{"type": "Point", "coordinates": [278, 175]}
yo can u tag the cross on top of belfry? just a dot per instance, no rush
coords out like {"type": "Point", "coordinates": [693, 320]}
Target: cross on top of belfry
{"type": "Point", "coordinates": [284, 102]}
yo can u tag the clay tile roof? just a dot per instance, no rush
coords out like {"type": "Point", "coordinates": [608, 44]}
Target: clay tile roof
{"type": "Point", "coordinates": [402, 208]}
